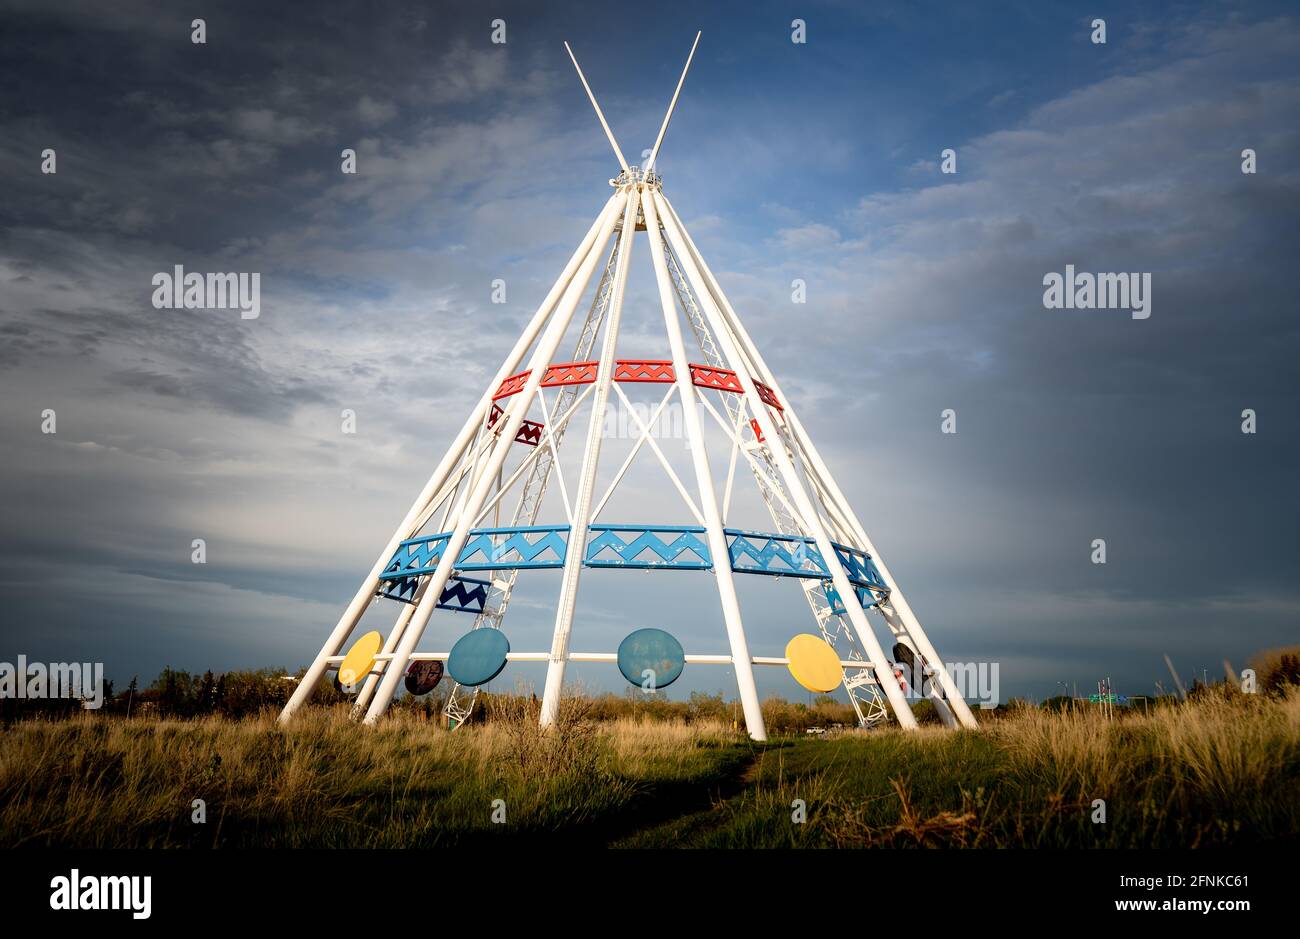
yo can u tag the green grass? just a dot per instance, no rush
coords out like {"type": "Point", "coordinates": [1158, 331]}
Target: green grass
{"type": "Point", "coordinates": [1222, 770]}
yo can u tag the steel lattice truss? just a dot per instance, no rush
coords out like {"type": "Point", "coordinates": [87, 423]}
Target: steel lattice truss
{"type": "Point", "coordinates": [455, 550]}
{"type": "Point", "coordinates": [460, 703]}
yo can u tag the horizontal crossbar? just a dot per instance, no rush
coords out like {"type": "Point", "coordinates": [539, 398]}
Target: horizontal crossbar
{"type": "Point", "coordinates": [652, 371]}
{"type": "Point", "coordinates": [634, 546]}
{"type": "Point", "coordinates": [691, 659]}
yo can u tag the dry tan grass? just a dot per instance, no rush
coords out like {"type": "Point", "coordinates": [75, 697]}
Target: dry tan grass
{"type": "Point", "coordinates": [1225, 743]}
{"type": "Point", "coordinates": [94, 782]}
{"type": "Point", "coordinates": [1221, 769]}
{"type": "Point", "coordinates": [1218, 769]}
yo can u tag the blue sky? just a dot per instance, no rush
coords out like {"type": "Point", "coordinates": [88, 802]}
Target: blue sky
{"type": "Point", "coordinates": [815, 161]}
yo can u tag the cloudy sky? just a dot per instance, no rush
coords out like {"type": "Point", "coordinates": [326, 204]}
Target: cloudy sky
{"type": "Point", "coordinates": [817, 161]}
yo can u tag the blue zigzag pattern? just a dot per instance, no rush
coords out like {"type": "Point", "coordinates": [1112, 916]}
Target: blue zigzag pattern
{"type": "Point", "coordinates": [546, 550]}
{"type": "Point", "coordinates": [860, 568]}
{"type": "Point", "coordinates": [685, 551]}
{"type": "Point", "coordinates": [865, 597]}
{"type": "Point", "coordinates": [779, 555]}
{"type": "Point", "coordinates": [461, 595]}
{"type": "Point", "coordinates": [416, 556]}
{"type": "Point", "coordinates": [464, 595]}
{"type": "Point", "coordinates": [482, 551]}
{"type": "Point", "coordinates": [673, 547]}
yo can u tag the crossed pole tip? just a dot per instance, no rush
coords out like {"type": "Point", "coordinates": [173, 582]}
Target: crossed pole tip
{"type": "Point", "coordinates": [603, 123]}
{"type": "Point", "coordinates": [663, 128]}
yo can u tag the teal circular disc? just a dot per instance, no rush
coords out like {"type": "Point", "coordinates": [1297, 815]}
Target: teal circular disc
{"type": "Point", "coordinates": [478, 656]}
{"type": "Point", "coordinates": [651, 650]}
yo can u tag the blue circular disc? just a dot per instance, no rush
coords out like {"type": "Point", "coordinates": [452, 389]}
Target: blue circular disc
{"type": "Point", "coordinates": [478, 656]}
{"type": "Point", "coordinates": [651, 650]}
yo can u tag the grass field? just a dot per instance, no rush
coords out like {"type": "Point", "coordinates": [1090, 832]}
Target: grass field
{"type": "Point", "coordinates": [1221, 770]}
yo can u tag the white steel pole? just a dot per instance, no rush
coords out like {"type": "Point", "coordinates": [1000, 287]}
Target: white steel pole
{"type": "Point", "coordinates": [348, 621]}
{"type": "Point", "coordinates": [365, 594]}
{"type": "Point", "coordinates": [382, 662]}
{"type": "Point", "coordinates": [713, 523]}
{"type": "Point", "coordinates": [897, 600]}
{"type": "Point", "coordinates": [884, 673]}
{"type": "Point", "coordinates": [940, 705]}
{"type": "Point", "coordinates": [672, 105]}
{"type": "Point", "coordinates": [600, 114]}
{"type": "Point", "coordinates": [575, 553]}
{"type": "Point", "coordinates": [514, 417]}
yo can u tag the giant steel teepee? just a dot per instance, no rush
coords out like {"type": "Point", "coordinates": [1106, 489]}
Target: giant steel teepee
{"type": "Point", "coordinates": [444, 555]}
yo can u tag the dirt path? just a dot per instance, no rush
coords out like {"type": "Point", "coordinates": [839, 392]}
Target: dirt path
{"type": "Point", "coordinates": [680, 823]}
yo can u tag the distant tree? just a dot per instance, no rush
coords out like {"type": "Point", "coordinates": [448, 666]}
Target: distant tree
{"type": "Point", "coordinates": [1007, 708]}
{"type": "Point", "coordinates": [175, 692]}
{"type": "Point", "coordinates": [702, 706]}
{"type": "Point", "coordinates": [1275, 669]}
{"type": "Point", "coordinates": [925, 712]}
{"type": "Point", "coordinates": [1286, 672]}
{"type": "Point", "coordinates": [249, 692]}
{"type": "Point", "coordinates": [204, 698]}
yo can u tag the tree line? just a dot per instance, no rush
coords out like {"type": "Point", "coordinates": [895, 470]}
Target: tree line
{"type": "Point", "coordinates": [176, 693]}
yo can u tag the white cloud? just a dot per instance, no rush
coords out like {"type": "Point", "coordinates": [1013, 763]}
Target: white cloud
{"type": "Point", "coordinates": [374, 113]}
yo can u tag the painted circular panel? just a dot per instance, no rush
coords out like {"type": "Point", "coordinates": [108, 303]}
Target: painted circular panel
{"type": "Point", "coordinates": [360, 658]}
{"type": "Point", "coordinates": [423, 676]}
{"type": "Point", "coordinates": [651, 650]}
{"type": "Point", "coordinates": [813, 663]}
{"type": "Point", "coordinates": [478, 656]}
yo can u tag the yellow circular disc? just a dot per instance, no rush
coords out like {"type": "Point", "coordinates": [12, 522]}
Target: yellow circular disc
{"type": "Point", "coordinates": [360, 658]}
{"type": "Point", "coordinates": [813, 663]}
